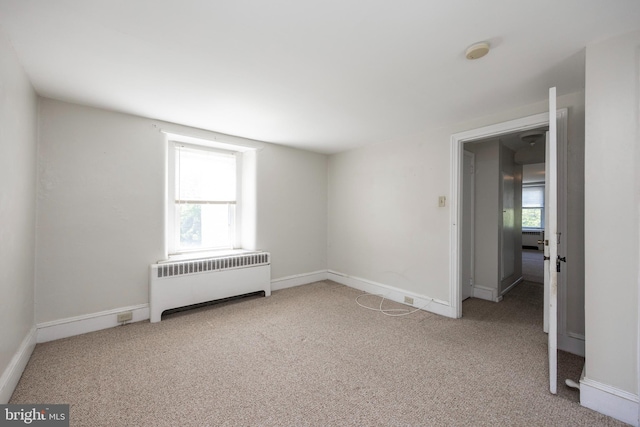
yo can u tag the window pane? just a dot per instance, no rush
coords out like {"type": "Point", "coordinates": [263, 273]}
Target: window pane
{"type": "Point", "coordinates": [533, 197]}
{"type": "Point", "coordinates": [532, 218]}
{"type": "Point", "coordinates": [205, 175]}
{"type": "Point", "coordinates": [190, 217]}
{"type": "Point", "coordinates": [205, 226]}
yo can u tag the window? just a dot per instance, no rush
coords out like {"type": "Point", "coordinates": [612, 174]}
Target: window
{"type": "Point", "coordinates": [202, 195]}
{"type": "Point", "coordinates": [533, 206]}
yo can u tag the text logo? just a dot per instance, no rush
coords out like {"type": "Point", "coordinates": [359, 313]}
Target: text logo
{"type": "Point", "coordinates": [34, 415]}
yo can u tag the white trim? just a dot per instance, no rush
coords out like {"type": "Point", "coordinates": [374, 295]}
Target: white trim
{"type": "Point", "coordinates": [13, 372]}
{"type": "Point", "coordinates": [71, 326]}
{"type": "Point", "coordinates": [511, 286]}
{"type": "Point", "coordinates": [571, 343]}
{"type": "Point", "coordinates": [576, 336]}
{"type": "Point", "coordinates": [609, 400]}
{"type": "Point", "coordinates": [456, 155]}
{"type": "Point", "coordinates": [63, 328]}
{"type": "Point", "coordinates": [486, 293]}
{"type": "Point", "coordinates": [394, 294]}
{"type": "Point", "coordinates": [472, 220]}
{"type": "Point", "coordinates": [198, 255]}
{"type": "Point", "coordinates": [562, 223]}
{"type": "Point", "coordinates": [637, 53]}
{"type": "Point", "coordinates": [210, 141]}
{"type": "Point", "coordinates": [298, 280]}
{"type": "Point", "coordinates": [171, 226]}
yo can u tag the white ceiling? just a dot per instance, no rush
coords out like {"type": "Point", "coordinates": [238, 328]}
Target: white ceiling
{"type": "Point", "coordinates": [322, 75]}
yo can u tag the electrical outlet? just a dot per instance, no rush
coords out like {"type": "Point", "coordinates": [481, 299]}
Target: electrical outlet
{"type": "Point", "coordinates": [408, 300]}
{"type": "Point", "coordinates": [125, 317]}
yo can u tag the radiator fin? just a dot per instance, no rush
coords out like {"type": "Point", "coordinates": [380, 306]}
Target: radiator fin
{"type": "Point", "coordinates": [213, 264]}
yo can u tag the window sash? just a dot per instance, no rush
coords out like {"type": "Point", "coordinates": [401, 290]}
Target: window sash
{"type": "Point", "coordinates": [205, 202]}
{"type": "Point", "coordinates": [175, 201]}
{"type": "Point", "coordinates": [540, 215]}
{"type": "Point", "coordinates": [223, 237]}
{"type": "Point", "coordinates": [533, 196]}
{"type": "Point", "coordinates": [195, 167]}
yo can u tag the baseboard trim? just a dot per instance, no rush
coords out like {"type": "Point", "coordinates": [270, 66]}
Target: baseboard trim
{"type": "Point", "coordinates": [426, 303]}
{"type": "Point", "coordinates": [13, 372]}
{"type": "Point", "coordinates": [609, 400]}
{"type": "Point", "coordinates": [64, 328]}
{"type": "Point", "coordinates": [571, 343]}
{"type": "Point", "coordinates": [511, 286]}
{"type": "Point", "coordinates": [71, 326]}
{"type": "Point", "coordinates": [489, 294]}
{"type": "Point", "coordinates": [298, 280]}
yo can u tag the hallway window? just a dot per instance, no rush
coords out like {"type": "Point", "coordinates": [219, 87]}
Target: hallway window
{"type": "Point", "coordinates": [533, 206]}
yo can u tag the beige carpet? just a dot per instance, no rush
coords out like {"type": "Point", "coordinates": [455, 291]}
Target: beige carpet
{"type": "Point", "coordinates": [310, 356]}
{"type": "Point", "coordinates": [533, 265]}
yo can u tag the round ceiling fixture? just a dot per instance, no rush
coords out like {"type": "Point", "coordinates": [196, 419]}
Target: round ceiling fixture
{"type": "Point", "coordinates": [531, 137]}
{"type": "Point", "coordinates": [477, 50]}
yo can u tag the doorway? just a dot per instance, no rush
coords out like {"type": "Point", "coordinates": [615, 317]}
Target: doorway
{"type": "Point", "coordinates": [533, 191]}
{"type": "Point", "coordinates": [555, 214]}
{"type": "Point", "coordinates": [501, 229]}
{"type": "Point", "coordinates": [501, 130]}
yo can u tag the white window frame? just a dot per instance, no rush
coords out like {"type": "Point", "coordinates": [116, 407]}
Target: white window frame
{"type": "Point", "coordinates": [529, 185]}
{"type": "Point", "coordinates": [172, 234]}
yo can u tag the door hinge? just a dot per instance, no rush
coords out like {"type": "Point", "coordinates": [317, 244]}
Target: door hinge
{"type": "Point", "coordinates": [563, 259]}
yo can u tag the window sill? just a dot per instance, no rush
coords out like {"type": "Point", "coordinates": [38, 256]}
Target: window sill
{"type": "Point", "coordinates": [194, 256]}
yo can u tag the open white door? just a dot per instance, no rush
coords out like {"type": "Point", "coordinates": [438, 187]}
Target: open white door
{"type": "Point", "coordinates": [552, 237]}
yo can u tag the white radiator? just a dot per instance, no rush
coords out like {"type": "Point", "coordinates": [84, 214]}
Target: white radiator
{"type": "Point", "coordinates": [530, 239]}
{"type": "Point", "coordinates": [179, 284]}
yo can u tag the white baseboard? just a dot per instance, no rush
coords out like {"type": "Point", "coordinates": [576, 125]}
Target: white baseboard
{"type": "Point", "coordinates": [63, 328]}
{"type": "Point", "coordinates": [571, 343]}
{"type": "Point", "coordinates": [432, 305]}
{"type": "Point", "coordinates": [298, 280]}
{"type": "Point", "coordinates": [511, 286]}
{"type": "Point", "coordinates": [13, 372]}
{"type": "Point", "coordinates": [489, 294]}
{"type": "Point", "coordinates": [609, 400]}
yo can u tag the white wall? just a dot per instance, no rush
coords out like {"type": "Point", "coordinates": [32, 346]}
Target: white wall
{"type": "Point", "coordinates": [384, 223]}
{"type": "Point", "coordinates": [575, 319]}
{"type": "Point", "coordinates": [533, 173]}
{"type": "Point", "coordinates": [100, 209]}
{"type": "Point", "coordinates": [18, 108]}
{"type": "Point", "coordinates": [292, 210]}
{"type": "Point", "coordinates": [611, 211]}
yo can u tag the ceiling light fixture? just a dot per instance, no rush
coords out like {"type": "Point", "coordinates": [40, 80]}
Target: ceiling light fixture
{"type": "Point", "coordinates": [531, 137]}
{"type": "Point", "coordinates": [477, 50]}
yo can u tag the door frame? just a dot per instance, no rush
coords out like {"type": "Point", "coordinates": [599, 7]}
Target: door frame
{"type": "Point", "coordinates": [457, 155]}
{"type": "Point", "coordinates": [472, 222]}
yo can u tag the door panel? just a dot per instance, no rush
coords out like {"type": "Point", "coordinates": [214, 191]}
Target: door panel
{"type": "Point", "coordinates": [551, 239]}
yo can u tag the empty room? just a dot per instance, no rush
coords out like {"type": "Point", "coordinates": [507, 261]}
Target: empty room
{"type": "Point", "coordinates": [319, 213]}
